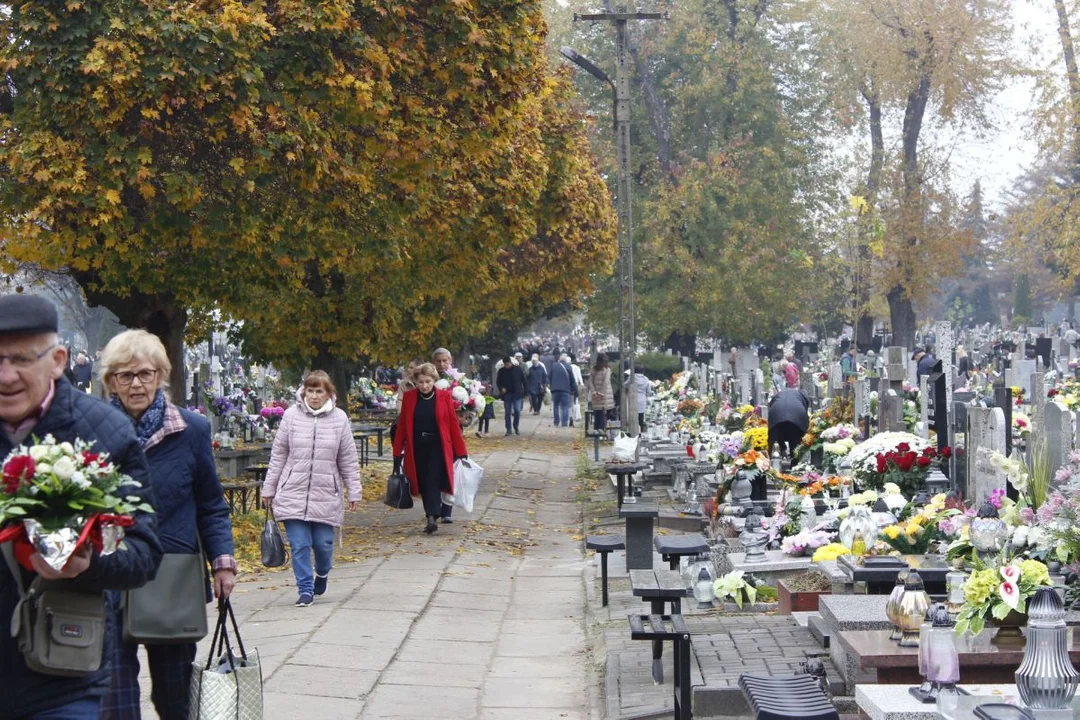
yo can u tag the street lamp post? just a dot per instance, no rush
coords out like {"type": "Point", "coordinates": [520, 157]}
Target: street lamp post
{"type": "Point", "coordinates": [621, 88]}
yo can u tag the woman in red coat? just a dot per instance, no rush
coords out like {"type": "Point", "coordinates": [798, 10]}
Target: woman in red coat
{"type": "Point", "coordinates": [428, 438]}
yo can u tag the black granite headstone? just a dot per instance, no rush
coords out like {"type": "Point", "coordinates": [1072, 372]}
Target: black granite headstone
{"type": "Point", "coordinates": [939, 409]}
{"type": "Point", "coordinates": [1003, 399]}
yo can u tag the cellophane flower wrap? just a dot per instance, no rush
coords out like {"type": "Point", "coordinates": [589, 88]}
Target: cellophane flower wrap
{"type": "Point", "coordinates": [58, 496]}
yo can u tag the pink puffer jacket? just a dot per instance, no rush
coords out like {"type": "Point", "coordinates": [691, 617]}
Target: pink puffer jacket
{"type": "Point", "coordinates": [314, 457]}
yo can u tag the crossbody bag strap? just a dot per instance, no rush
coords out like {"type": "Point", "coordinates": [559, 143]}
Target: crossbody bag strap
{"type": "Point", "coordinates": [16, 571]}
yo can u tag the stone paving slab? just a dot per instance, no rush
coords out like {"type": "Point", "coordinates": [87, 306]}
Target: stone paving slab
{"type": "Point", "coordinates": [485, 619]}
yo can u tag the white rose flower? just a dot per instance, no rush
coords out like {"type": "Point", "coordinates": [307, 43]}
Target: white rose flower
{"type": "Point", "coordinates": [64, 468]}
{"type": "Point", "coordinates": [442, 383]}
{"type": "Point", "coordinates": [67, 448]}
{"type": "Point", "coordinates": [43, 468]}
{"type": "Point", "coordinates": [38, 452]}
{"type": "Point", "coordinates": [79, 480]}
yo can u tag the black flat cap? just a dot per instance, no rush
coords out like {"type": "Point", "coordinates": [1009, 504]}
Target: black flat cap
{"type": "Point", "coordinates": [26, 315]}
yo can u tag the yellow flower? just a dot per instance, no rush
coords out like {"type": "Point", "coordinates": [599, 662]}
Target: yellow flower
{"type": "Point", "coordinates": [892, 532]}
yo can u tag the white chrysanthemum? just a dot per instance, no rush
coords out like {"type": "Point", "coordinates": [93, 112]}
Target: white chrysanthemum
{"type": "Point", "coordinates": [442, 383]}
{"type": "Point", "coordinates": [459, 394]}
{"type": "Point", "coordinates": [480, 403]}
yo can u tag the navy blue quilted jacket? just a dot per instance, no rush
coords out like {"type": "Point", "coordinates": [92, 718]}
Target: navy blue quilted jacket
{"type": "Point", "coordinates": [72, 415]}
{"type": "Point", "coordinates": [187, 492]}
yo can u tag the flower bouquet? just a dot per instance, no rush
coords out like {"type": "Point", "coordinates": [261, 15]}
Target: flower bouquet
{"type": "Point", "coordinates": [830, 552]}
{"type": "Point", "coordinates": [59, 496]}
{"type": "Point", "coordinates": [273, 412]}
{"type": "Point", "coordinates": [896, 457]}
{"type": "Point", "coordinates": [807, 540]}
{"type": "Point", "coordinates": [735, 586]}
{"type": "Point", "coordinates": [468, 396]}
{"type": "Point", "coordinates": [912, 536]}
{"type": "Point", "coordinates": [690, 407]}
{"type": "Point", "coordinates": [756, 438]}
{"type": "Point", "coordinates": [993, 593]}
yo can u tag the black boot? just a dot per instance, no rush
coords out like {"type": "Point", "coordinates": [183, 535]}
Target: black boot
{"type": "Point", "coordinates": [432, 526]}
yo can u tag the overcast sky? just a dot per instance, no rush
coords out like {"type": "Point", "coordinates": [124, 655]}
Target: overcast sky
{"type": "Point", "coordinates": [1002, 155]}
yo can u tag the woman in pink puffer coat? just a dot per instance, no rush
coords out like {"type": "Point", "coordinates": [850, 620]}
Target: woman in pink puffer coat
{"type": "Point", "coordinates": [313, 461]}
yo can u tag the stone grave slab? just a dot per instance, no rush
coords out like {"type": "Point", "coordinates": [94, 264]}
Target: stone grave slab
{"type": "Point", "coordinates": [985, 435]}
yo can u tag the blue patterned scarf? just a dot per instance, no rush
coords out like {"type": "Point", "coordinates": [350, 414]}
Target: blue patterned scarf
{"type": "Point", "coordinates": [151, 420]}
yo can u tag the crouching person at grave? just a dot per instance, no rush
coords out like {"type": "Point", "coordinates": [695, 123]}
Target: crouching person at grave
{"type": "Point", "coordinates": [192, 517]}
{"type": "Point", "coordinates": [789, 417]}
{"type": "Point", "coordinates": [36, 401]}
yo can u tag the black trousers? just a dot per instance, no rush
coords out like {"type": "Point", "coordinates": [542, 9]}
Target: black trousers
{"type": "Point", "coordinates": [599, 420]}
{"type": "Point", "coordinates": [430, 472]}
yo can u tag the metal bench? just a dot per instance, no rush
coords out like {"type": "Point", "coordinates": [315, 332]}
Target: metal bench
{"type": "Point", "coordinates": [661, 628]}
{"type": "Point", "coordinates": [378, 430]}
{"type": "Point", "coordinates": [794, 697]}
{"type": "Point", "coordinates": [674, 547]}
{"type": "Point", "coordinates": [603, 545]}
{"type": "Point", "coordinates": [361, 439]}
{"type": "Point", "coordinates": [658, 587]}
{"type": "Point", "coordinates": [596, 443]}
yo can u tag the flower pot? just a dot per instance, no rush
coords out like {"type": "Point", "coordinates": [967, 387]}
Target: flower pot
{"type": "Point", "coordinates": [1009, 633]}
{"type": "Point", "coordinates": [797, 600]}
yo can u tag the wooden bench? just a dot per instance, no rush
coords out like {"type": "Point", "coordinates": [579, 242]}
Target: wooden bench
{"type": "Point", "coordinates": [361, 439]}
{"type": "Point", "coordinates": [378, 430]}
{"type": "Point", "coordinates": [662, 628]}
{"type": "Point", "coordinates": [673, 547]}
{"type": "Point", "coordinates": [658, 587]}
{"type": "Point", "coordinates": [603, 545]}
{"type": "Point", "coordinates": [794, 697]}
{"type": "Point", "coordinates": [240, 492]}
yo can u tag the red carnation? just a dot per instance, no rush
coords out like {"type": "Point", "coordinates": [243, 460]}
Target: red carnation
{"type": "Point", "coordinates": [923, 461]}
{"type": "Point", "coordinates": [89, 457]}
{"type": "Point", "coordinates": [18, 469]}
{"type": "Point", "coordinates": [903, 448]}
{"type": "Point", "coordinates": [906, 461]}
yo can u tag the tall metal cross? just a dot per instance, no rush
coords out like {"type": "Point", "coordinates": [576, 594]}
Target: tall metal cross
{"type": "Point", "coordinates": [627, 331]}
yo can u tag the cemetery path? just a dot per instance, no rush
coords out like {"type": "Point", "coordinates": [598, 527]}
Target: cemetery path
{"type": "Point", "coordinates": [484, 619]}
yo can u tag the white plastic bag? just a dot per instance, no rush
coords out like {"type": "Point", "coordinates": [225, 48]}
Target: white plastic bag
{"type": "Point", "coordinates": [625, 448]}
{"type": "Point", "coordinates": [577, 411]}
{"type": "Point", "coordinates": [467, 478]}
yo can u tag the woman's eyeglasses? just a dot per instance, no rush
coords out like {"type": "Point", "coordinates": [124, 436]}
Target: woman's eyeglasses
{"type": "Point", "coordinates": [126, 378]}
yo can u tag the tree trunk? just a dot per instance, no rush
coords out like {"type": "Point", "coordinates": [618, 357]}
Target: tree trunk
{"type": "Point", "coordinates": [333, 366]}
{"type": "Point", "coordinates": [1068, 51]}
{"type": "Point", "coordinates": [160, 314]}
{"type": "Point", "coordinates": [864, 326]}
{"type": "Point", "coordinates": [901, 310]}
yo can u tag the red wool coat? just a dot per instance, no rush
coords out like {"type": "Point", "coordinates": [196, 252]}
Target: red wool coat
{"type": "Point", "coordinates": [453, 443]}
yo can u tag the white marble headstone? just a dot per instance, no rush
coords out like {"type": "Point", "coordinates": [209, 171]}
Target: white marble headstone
{"type": "Point", "coordinates": [985, 435]}
{"type": "Point", "coordinates": [924, 407]}
{"type": "Point", "coordinates": [1059, 434]}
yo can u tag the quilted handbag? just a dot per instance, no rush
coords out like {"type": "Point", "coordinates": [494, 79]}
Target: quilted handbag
{"type": "Point", "coordinates": [228, 685]}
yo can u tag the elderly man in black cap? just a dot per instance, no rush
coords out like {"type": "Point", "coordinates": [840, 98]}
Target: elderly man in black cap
{"type": "Point", "coordinates": [37, 400]}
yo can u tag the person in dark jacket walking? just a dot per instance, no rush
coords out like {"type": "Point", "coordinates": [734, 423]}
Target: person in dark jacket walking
{"type": "Point", "coordinates": [36, 400]}
{"type": "Point", "coordinates": [563, 387]}
{"type": "Point", "coordinates": [190, 510]}
{"type": "Point", "coordinates": [84, 372]}
{"type": "Point", "coordinates": [510, 381]}
{"type": "Point", "coordinates": [538, 384]}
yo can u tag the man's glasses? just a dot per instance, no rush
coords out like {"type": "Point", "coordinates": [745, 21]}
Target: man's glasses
{"type": "Point", "coordinates": [126, 378]}
{"type": "Point", "coordinates": [22, 362]}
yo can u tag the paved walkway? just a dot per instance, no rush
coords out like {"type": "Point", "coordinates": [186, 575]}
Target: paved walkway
{"type": "Point", "coordinates": [484, 619]}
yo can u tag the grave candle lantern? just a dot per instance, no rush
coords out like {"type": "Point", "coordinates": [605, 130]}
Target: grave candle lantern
{"type": "Point", "coordinates": [1046, 678]}
{"type": "Point", "coordinates": [892, 605]}
{"type": "Point", "coordinates": [943, 660]}
{"type": "Point", "coordinates": [988, 531]}
{"type": "Point", "coordinates": [913, 605]}
{"type": "Point", "coordinates": [924, 693]}
{"type": "Point", "coordinates": [703, 587]}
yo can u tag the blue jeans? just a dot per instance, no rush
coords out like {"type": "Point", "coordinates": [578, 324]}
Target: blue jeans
{"type": "Point", "coordinates": [561, 400]}
{"type": "Point", "coordinates": [304, 537]}
{"type": "Point", "coordinates": [85, 709]}
{"type": "Point", "coordinates": [512, 404]}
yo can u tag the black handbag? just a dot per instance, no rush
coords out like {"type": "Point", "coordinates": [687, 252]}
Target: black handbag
{"type": "Point", "coordinates": [398, 494]}
{"type": "Point", "coordinates": [274, 553]}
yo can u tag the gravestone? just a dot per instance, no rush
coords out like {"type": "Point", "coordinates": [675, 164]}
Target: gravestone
{"type": "Point", "coordinates": [1059, 435]}
{"type": "Point", "coordinates": [958, 461]}
{"type": "Point", "coordinates": [746, 388]}
{"type": "Point", "coordinates": [939, 406]}
{"type": "Point", "coordinates": [924, 407]}
{"type": "Point", "coordinates": [808, 384]}
{"type": "Point", "coordinates": [985, 435]}
{"type": "Point", "coordinates": [1037, 398]}
{"type": "Point", "coordinates": [946, 341]}
{"type": "Point", "coordinates": [1027, 368]}
{"type": "Point", "coordinates": [862, 405]}
{"type": "Point", "coordinates": [896, 366]}
{"type": "Point", "coordinates": [835, 379]}
{"type": "Point", "coordinates": [891, 412]}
